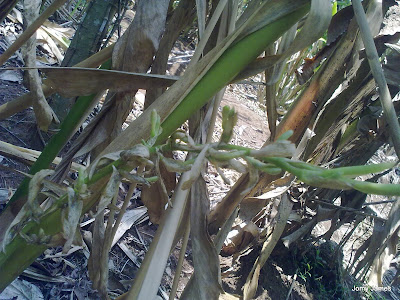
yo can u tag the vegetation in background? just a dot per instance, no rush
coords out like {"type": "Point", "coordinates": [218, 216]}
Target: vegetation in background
{"type": "Point", "coordinates": [320, 101]}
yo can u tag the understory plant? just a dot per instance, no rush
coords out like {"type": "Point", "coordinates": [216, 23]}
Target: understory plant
{"type": "Point", "coordinates": [267, 37]}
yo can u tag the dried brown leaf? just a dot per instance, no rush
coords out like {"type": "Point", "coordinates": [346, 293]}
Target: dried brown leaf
{"type": "Point", "coordinates": [35, 184]}
{"type": "Point", "coordinates": [250, 287]}
{"type": "Point", "coordinates": [109, 192]}
{"type": "Point", "coordinates": [253, 180]}
{"type": "Point", "coordinates": [241, 239]}
{"type": "Point", "coordinates": [130, 218]}
{"type": "Point", "coordinates": [70, 219]}
{"type": "Point", "coordinates": [276, 188]}
{"type": "Point", "coordinates": [279, 148]}
{"type": "Point", "coordinates": [23, 290]}
{"type": "Point", "coordinates": [138, 154]}
{"type": "Point", "coordinates": [206, 280]}
{"type": "Point", "coordinates": [95, 267]}
{"type": "Point", "coordinates": [196, 168]}
{"type": "Point", "coordinates": [71, 82]}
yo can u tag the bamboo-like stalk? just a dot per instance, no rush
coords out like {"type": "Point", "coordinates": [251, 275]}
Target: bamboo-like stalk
{"type": "Point", "coordinates": [377, 72]}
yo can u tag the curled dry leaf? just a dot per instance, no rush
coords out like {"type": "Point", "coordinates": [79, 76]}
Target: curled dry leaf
{"type": "Point", "coordinates": [280, 148]}
{"type": "Point", "coordinates": [109, 192]}
{"type": "Point", "coordinates": [174, 165]}
{"type": "Point", "coordinates": [253, 179]}
{"type": "Point", "coordinates": [156, 196]}
{"type": "Point", "coordinates": [71, 82]}
{"type": "Point", "coordinates": [196, 168]}
{"type": "Point", "coordinates": [237, 166]}
{"type": "Point", "coordinates": [70, 218]}
{"type": "Point", "coordinates": [239, 240]}
{"type": "Point", "coordinates": [138, 154]}
{"type": "Point", "coordinates": [133, 178]}
{"type": "Point", "coordinates": [35, 184]}
{"type": "Point", "coordinates": [30, 210]}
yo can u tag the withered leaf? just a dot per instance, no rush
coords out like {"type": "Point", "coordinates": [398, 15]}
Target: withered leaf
{"type": "Point", "coordinates": [196, 168]}
{"type": "Point", "coordinates": [109, 192]}
{"type": "Point", "coordinates": [71, 82]}
{"type": "Point", "coordinates": [175, 165]}
{"type": "Point", "coordinates": [70, 218]}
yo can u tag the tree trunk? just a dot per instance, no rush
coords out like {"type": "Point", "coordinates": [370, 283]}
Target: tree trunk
{"type": "Point", "coordinates": [87, 41]}
{"type": "Point", "coordinates": [5, 7]}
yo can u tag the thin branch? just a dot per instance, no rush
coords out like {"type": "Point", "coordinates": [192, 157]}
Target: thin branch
{"type": "Point", "coordinates": [377, 72]}
{"type": "Point", "coordinates": [380, 202]}
{"type": "Point", "coordinates": [178, 270]}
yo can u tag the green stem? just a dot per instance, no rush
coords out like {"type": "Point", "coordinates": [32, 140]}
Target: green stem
{"type": "Point", "coordinates": [107, 170]}
{"type": "Point", "coordinates": [355, 171]}
{"type": "Point", "coordinates": [377, 71]}
{"type": "Point", "coordinates": [375, 188]}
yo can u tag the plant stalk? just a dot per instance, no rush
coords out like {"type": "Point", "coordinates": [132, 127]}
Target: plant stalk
{"type": "Point", "coordinates": [377, 72]}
